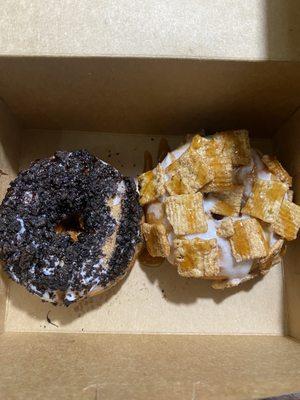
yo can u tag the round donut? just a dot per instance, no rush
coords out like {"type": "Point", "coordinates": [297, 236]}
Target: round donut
{"type": "Point", "coordinates": [69, 227]}
{"type": "Point", "coordinates": [219, 210]}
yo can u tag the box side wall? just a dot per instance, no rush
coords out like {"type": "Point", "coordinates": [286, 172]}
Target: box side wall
{"type": "Point", "coordinates": [288, 150]}
{"type": "Point", "coordinates": [9, 158]}
{"type": "Point", "coordinates": [149, 95]}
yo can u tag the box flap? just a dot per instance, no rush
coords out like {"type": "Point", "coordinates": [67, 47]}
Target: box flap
{"type": "Point", "coordinates": [223, 29]}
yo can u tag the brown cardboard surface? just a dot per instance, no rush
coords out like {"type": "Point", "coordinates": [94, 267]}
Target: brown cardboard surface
{"type": "Point", "coordinates": [35, 366]}
{"type": "Point", "coordinates": [151, 299]}
{"type": "Point", "coordinates": [9, 157]}
{"type": "Point", "coordinates": [149, 95]}
{"type": "Point", "coordinates": [140, 97]}
{"type": "Point", "coordinates": [248, 29]}
{"type": "Point", "coordinates": [288, 142]}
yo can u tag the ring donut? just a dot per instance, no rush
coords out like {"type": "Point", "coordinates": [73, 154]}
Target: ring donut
{"type": "Point", "coordinates": [69, 227]}
{"type": "Point", "coordinates": [219, 210]}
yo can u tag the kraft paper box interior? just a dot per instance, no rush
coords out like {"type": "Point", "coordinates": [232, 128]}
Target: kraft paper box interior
{"type": "Point", "coordinates": [155, 335]}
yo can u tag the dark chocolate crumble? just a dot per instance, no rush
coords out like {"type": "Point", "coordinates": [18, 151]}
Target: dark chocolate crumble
{"type": "Point", "coordinates": [47, 261]}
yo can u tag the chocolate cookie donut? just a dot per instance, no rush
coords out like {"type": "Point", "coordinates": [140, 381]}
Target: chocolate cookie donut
{"type": "Point", "coordinates": [69, 227]}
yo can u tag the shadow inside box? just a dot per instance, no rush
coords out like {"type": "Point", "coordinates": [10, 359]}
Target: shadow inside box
{"type": "Point", "coordinates": [180, 290]}
{"type": "Point", "coordinates": [175, 289]}
{"type": "Point", "coordinates": [58, 316]}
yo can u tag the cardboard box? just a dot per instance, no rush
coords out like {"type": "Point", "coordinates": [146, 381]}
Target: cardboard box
{"type": "Point", "coordinates": [155, 335]}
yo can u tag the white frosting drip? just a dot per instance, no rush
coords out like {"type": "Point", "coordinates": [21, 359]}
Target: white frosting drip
{"type": "Point", "coordinates": [46, 296]}
{"type": "Point", "coordinates": [178, 152]}
{"type": "Point", "coordinates": [33, 288]}
{"type": "Point", "coordinates": [174, 155]}
{"type": "Point", "coordinates": [261, 169]}
{"type": "Point", "coordinates": [48, 271]}
{"type": "Point", "coordinates": [22, 228]}
{"type": "Point", "coordinates": [244, 177]}
{"type": "Point", "coordinates": [32, 268]}
{"type": "Point", "coordinates": [70, 296]}
{"type": "Point", "coordinates": [116, 200]}
{"type": "Point", "coordinates": [167, 161]}
{"type": "Point", "coordinates": [14, 276]}
{"type": "Point", "coordinates": [156, 209]}
{"type": "Point", "coordinates": [27, 197]}
{"type": "Point", "coordinates": [209, 202]}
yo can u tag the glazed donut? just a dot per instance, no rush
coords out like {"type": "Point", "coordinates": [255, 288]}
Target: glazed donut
{"type": "Point", "coordinates": [69, 227]}
{"type": "Point", "coordinates": [219, 210]}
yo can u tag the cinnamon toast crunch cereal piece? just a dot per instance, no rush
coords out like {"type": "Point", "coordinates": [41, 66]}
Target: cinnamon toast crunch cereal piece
{"type": "Point", "coordinates": [226, 228]}
{"type": "Point", "coordinates": [231, 283]}
{"type": "Point", "coordinates": [197, 258]}
{"type": "Point", "coordinates": [229, 203]}
{"type": "Point", "coordinates": [188, 173]}
{"type": "Point", "coordinates": [290, 195]}
{"type": "Point", "coordinates": [236, 144]}
{"type": "Point", "coordinates": [186, 214]}
{"type": "Point", "coordinates": [151, 185]}
{"type": "Point", "coordinates": [218, 162]}
{"type": "Point", "coordinates": [287, 223]}
{"type": "Point", "coordinates": [156, 240]}
{"type": "Point", "coordinates": [248, 241]}
{"type": "Point", "coordinates": [272, 258]}
{"type": "Point", "coordinates": [277, 169]}
{"type": "Point", "coordinates": [265, 200]}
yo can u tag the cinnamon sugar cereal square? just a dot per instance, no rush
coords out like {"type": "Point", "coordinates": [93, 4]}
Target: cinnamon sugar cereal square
{"type": "Point", "coordinates": [156, 240]}
{"type": "Point", "coordinates": [151, 185]}
{"type": "Point", "coordinates": [197, 258]}
{"type": "Point", "coordinates": [248, 241]}
{"type": "Point", "coordinates": [287, 223]}
{"type": "Point", "coordinates": [185, 213]}
{"type": "Point", "coordinates": [265, 200]}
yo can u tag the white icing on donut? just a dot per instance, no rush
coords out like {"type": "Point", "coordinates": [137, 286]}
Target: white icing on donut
{"type": "Point", "coordinates": [167, 160]}
{"type": "Point", "coordinates": [46, 296]}
{"type": "Point", "coordinates": [14, 276]}
{"type": "Point", "coordinates": [156, 209]}
{"type": "Point", "coordinates": [174, 155]}
{"type": "Point", "coordinates": [209, 202]}
{"type": "Point", "coordinates": [28, 196]}
{"type": "Point", "coordinates": [245, 175]}
{"type": "Point", "coordinates": [70, 296]}
{"type": "Point", "coordinates": [261, 170]}
{"type": "Point", "coordinates": [22, 228]}
{"type": "Point", "coordinates": [116, 200]}
{"type": "Point", "coordinates": [48, 271]}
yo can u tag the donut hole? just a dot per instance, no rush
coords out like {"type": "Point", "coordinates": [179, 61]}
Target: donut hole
{"type": "Point", "coordinates": [72, 225]}
{"type": "Point", "coordinates": [218, 217]}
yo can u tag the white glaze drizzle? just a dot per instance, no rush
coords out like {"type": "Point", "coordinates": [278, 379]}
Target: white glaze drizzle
{"type": "Point", "coordinates": [22, 228]}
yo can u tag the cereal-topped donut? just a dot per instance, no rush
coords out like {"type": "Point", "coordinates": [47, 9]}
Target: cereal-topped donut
{"type": "Point", "coordinates": [69, 227]}
{"type": "Point", "coordinates": [217, 209]}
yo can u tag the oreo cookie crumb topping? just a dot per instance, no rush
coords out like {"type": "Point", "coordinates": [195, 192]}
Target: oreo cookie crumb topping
{"type": "Point", "coordinates": [128, 235]}
{"type": "Point", "coordinates": [69, 191]}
